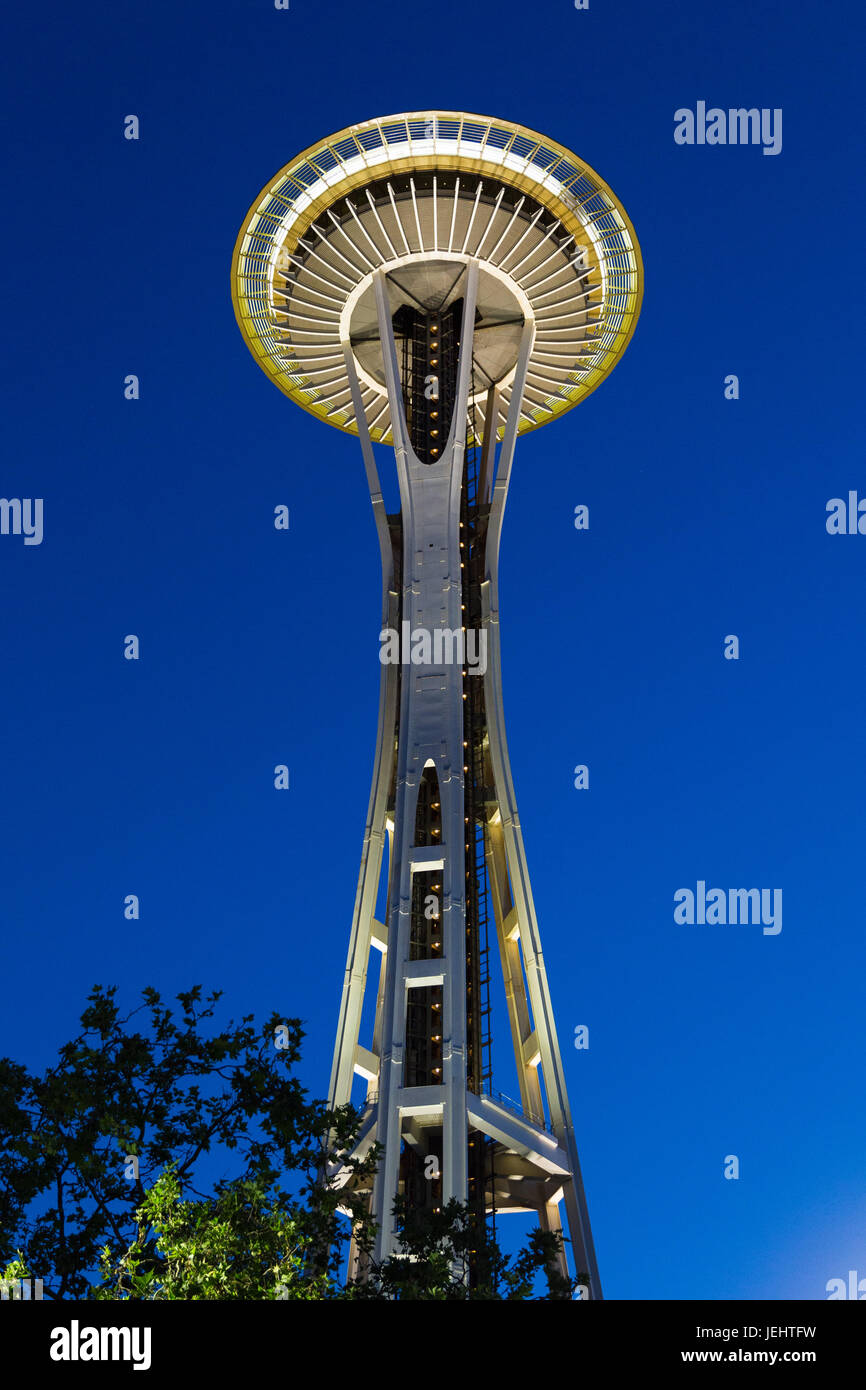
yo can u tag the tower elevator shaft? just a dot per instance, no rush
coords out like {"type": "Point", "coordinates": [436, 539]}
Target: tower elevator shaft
{"type": "Point", "coordinates": [429, 344]}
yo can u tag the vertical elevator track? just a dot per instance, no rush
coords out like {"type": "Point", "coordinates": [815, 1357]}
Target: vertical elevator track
{"type": "Point", "coordinates": [474, 514]}
{"type": "Point", "coordinates": [430, 345]}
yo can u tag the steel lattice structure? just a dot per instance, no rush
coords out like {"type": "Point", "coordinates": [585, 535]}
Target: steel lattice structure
{"type": "Point", "coordinates": [444, 282]}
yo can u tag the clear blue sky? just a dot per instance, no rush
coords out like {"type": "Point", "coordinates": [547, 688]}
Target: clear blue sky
{"type": "Point", "coordinates": [706, 518]}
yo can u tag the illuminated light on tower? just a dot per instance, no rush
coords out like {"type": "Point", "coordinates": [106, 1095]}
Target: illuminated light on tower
{"type": "Point", "coordinates": [443, 282]}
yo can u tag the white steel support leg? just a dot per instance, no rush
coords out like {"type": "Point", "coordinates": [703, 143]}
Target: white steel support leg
{"type": "Point", "coordinates": [550, 1220]}
{"type": "Point", "coordinates": [521, 923]}
{"type": "Point", "coordinates": [354, 984]}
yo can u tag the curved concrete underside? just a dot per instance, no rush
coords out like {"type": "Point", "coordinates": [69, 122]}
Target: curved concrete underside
{"type": "Point", "coordinates": [552, 242]}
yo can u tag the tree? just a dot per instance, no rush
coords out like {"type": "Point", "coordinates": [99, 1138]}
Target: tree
{"type": "Point", "coordinates": [100, 1160]}
{"type": "Point", "coordinates": [12, 1276]}
{"type": "Point", "coordinates": [132, 1096]}
{"type": "Point", "coordinates": [247, 1241]}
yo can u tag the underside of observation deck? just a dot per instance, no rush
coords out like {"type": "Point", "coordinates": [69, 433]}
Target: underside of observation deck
{"type": "Point", "coordinates": [436, 188]}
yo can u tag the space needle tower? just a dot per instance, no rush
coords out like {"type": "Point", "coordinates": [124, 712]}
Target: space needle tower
{"type": "Point", "coordinates": [441, 283]}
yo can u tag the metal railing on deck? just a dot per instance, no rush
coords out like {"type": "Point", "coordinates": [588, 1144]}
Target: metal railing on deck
{"type": "Point", "coordinates": [515, 1108]}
